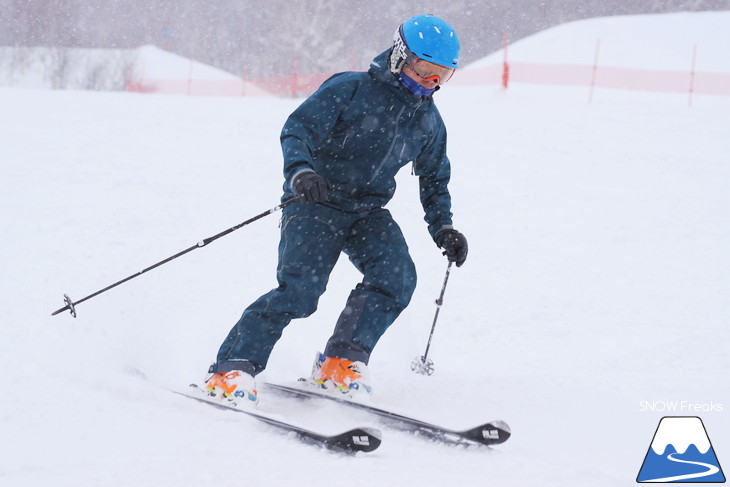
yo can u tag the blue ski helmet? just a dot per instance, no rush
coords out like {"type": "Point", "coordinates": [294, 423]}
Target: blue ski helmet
{"type": "Point", "coordinates": [426, 37]}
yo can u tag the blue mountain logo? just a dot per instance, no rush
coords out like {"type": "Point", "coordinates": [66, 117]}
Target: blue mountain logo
{"type": "Point", "coordinates": [681, 452]}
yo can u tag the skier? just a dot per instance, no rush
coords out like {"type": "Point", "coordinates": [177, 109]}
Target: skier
{"type": "Point", "coordinates": [342, 149]}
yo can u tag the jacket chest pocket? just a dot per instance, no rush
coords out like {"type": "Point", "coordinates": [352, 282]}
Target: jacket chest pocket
{"type": "Point", "coordinates": [412, 139]}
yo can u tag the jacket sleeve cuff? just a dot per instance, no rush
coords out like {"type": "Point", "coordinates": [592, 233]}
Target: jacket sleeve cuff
{"type": "Point", "coordinates": [435, 233]}
{"type": "Point", "coordinates": [297, 174]}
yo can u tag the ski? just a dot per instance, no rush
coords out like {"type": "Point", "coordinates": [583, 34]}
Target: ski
{"type": "Point", "coordinates": [492, 433]}
{"type": "Point", "coordinates": [351, 441]}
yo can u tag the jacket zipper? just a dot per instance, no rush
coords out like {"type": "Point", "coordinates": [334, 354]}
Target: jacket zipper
{"type": "Point", "coordinates": [392, 145]}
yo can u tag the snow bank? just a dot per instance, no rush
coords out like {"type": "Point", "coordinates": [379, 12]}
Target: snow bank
{"type": "Point", "coordinates": [146, 69]}
{"type": "Point", "coordinates": [669, 52]}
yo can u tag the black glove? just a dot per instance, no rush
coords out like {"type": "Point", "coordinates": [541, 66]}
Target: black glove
{"type": "Point", "coordinates": [313, 187]}
{"type": "Point", "coordinates": [454, 245]}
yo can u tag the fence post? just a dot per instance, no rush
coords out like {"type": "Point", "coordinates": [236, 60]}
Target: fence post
{"type": "Point", "coordinates": [595, 69]}
{"type": "Point", "coordinates": [244, 77]}
{"type": "Point", "coordinates": [294, 80]}
{"type": "Point", "coordinates": [128, 86]}
{"type": "Point", "coordinates": [505, 65]}
{"type": "Point", "coordinates": [190, 77]}
{"type": "Point", "coordinates": [692, 74]}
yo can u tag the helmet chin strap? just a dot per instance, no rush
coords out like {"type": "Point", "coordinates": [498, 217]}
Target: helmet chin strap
{"type": "Point", "coordinates": [413, 85]}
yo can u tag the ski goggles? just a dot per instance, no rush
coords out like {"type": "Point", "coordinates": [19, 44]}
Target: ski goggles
{"type": "Point", "coordinates": [429, 71]}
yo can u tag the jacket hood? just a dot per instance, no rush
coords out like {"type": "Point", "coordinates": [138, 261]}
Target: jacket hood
{"type": "Point", "coordinates": [380, 71]}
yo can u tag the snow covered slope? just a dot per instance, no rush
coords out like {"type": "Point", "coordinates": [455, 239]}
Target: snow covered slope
{"type": "Point", "coordinates": [147, 69]}
{"type": "Point", "coordinates": [660, 41]}
{"type": "Point", "coordinates": [597, 279]}
{"type": "Point", "coordinates": [160, 71]}
{"type": "Point", "coordinates": [675, 52]}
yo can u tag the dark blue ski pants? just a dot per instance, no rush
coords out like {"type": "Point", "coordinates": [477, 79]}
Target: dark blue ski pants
{"type": "Point", "coordinates": [312, 238]}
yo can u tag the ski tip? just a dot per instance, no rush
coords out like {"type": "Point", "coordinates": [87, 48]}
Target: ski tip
{"type": "Point", "coordinates": [357, 439]}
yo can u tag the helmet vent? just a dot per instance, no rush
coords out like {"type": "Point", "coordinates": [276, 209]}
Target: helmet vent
{"type": "Point", "coordinates": [428, 37]}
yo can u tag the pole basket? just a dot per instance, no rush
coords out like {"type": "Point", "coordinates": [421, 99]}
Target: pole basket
{"type": "Point", "coordinates": [422, 365]}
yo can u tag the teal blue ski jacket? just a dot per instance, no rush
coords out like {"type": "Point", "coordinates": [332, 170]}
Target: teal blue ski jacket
{"type": "Point", "coordinates": [357, 130]}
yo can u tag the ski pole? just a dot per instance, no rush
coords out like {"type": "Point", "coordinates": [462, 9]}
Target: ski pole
{"type": "Point", "coordinates": [424, 365]}
{"type": "Point", "coordinates": [71, 305]}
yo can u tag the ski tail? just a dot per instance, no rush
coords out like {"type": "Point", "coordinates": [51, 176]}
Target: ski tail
{"type": "Point", "coordinates": [351, 441]}
{"type": "Point", "coordinates": [357, 439]}
{"type": "Point", "coordinates": [492, 433]}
